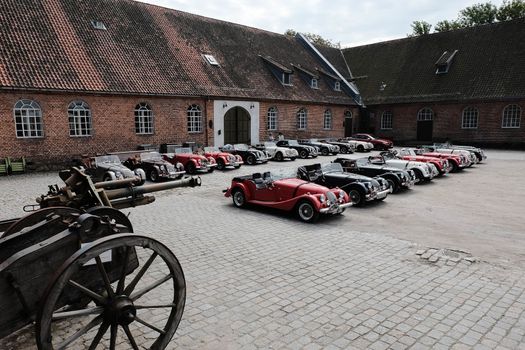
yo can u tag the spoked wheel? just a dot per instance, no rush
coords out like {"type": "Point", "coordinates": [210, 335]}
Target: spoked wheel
{"type": "Point", "coordinates": [220, 164]}
{"type": "Point", "coordinates": [279, 157]}
{"type": "Point", "coordinates": [307, 212]}
{"type": "Point", "coordinates": [303, 154]}
{"type": "Point", "coordinates": [154, 175]}
{"type": "Point", "coordinates": [36, 217]}
{"type": "Point", "coordinates": [238, 197]}
{"type": "Point", "coordinates": [132, 282]}
{"type": "Point", "coordinates": [357, 197]}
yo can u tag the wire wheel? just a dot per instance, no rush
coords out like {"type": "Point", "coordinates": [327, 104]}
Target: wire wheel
{"type": "Point", "coordinates": [325, 151]}
{"type": "Point", "coordinates": [220, 164]}
{"type": "Point", "coordinates": [279, 157]}
{"type": "Point", "coordinates": [307, 212]}
{"type": "Point", "coordinates": [118, 312]}
{"type": "Point", "coordinates": [154, 175]}
{"type": "Point", "coordinates": [238, 197]}
{"type": "Point", "coordinates": [250, 160]}
{"type": "Point", "coordinates": [303, 154]}
{"type": "Point", "coordinates": [356, 197]}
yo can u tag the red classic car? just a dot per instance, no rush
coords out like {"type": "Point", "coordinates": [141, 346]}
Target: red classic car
{"type": "Point", "coordinates": [442, 165]}
{"type": "Point", "coordinates": [380, 144]}
{"type": "Point", "coordinates": [193, 163]}
{"type": "Point", "coordinates": [457, 162]}
{"type": "Point", "coordinates": [285, 192]}
{"type": "Point", "coordinates": [223, 159]}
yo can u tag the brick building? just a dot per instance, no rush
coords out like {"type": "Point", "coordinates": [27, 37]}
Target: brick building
{"type": "Point", "coordinates": [466, 85]}
{"type": "Point", "coordinates": [94, 76]}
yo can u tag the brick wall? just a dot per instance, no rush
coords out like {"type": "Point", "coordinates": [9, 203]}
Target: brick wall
{"type": "Point", "coordinates": [447, 123]}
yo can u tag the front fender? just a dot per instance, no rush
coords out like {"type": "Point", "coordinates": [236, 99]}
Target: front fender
{"type": "Point", "coordinates": [242, 187]}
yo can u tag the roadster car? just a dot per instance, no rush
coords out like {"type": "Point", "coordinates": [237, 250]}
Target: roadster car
{"type": "Point", "coordinates": [359, 146]}
{"type": "Point", "coordinates": [324, 148]}
{"type": "Point", "coordinates": [276, 152]}
{"type": "Point", "coordinates": [344, 146]}
{"type": "Point", "coordinates": [458, 161]}
{"type": "Point", "coordinates": [155, 167]}
{"type": "Point", "coordinates": [478, 152]}
{"type": "Point", "coordinates": [379, 144]}
{"type": "Point", "coordinates": [108, 168]}
{"type": "Point", "coordinates": [283, 191]}
{"type": "Point", "coordinates": [442, 165]}
{"type": "Point", "coordinates": [223, 159]}
{"type": "Point", "coordinates": [360, 189]}
{"type": "Point", "coordinates": [249, 155]}
{"type": "Point", "coordinates": [193, 163]}
{"type": "Point", "coordinates": [303, 150]}
{"type": "Point", "coordinates": [423, 171]}
{"type": "Point", "coordinates": [397, 179]}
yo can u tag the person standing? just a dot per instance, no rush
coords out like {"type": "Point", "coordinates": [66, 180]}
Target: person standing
{"type": "Point", "coordinates": [271, 138]}
{"type": "Point", "coordinates": [280, 136]}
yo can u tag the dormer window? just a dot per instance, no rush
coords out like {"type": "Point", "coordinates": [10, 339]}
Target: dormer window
{"type": "Point", "coordinates": [337, 86]}
{"type": "Point", "coordinates": [330, 79]}
{"type": "Point", "coordinates": [286, 79]}
{"type": "Point", "coordinates": [313, 83]}
{"type": "Point", "coordinates": [309, 77]}
{"type": "Point", "coordinates": [280, 71]}
{"type": "Point", "coordinates": [98, 25]}
{"type": "Point", "coordinates": [444, 62]}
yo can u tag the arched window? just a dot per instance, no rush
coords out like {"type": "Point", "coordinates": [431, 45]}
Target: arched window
{"type": "Point", "coordinates": [511, 117]}
{"type": "Point", "coordinates": [386, 120]}
{"type": "Point", "coordinates": [469, 120]}
{"type": "Point", "coordinates": [348, 114]}
{"type": "Point", "coordinates": [28, 119]}
{"type": "Point", "coordinates": [302, 119]}
{"type": "Point", "coordinates": [327, 120]}
{"type": "Point", "coordinates": [143, 119]}
{"type": "Point", "coordinates": [425, 114]}
{"type": "Point", "coordinates": [272, 118]}
{"type": "Point", "coordinates": [194, 119]}
{"type": "Point", "coordinates": [79, 116]}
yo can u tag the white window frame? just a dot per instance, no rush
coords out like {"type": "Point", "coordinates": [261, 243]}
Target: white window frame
{"type": "Point", "coordinates": [425, 114]}
{"type": "Point", "coordinates": [470, 118]}
{"type": "Point", "coordinates": [144, 123]}
{"type": "Point", "coordinates": [273, 114]}
{"type": "Point", "coordinates": [302, 119]}
{"type": "Point", "coordinates": [386, 120]}
{"type": "Point", "coordinates": [327, 120]}
{"type": "Point", "coordinates": [194, 114]}
{"type": "Point", "coordinates": [286, 79]}
{"type": "Point", "coordinates": [337, 86]}
{"type": "Point", "coordinates": [314, 84]}
{"type": "Point", "coordinates": [511, 117]}
{"type": "Point", "coordinates": [79, 119]}
{"type": "Point", "coordinates": [28, 119]}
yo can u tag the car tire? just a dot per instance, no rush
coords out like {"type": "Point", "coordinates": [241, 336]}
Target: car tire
{"type": "Point", "coordinates": [325, 151]}
{"type": "Point", "coordinates": [237, 167]}
{"type": "Point", "coordinates": [279, 157]}
{"type": "Point", "coordinates": [306, 211]}
{"type": "Point", "coordinates": [210, 170]}
{"type": "Point", "coordinates": [303, 154]}
{"type": "Point", "coordinates": [191, 168]}
{"type": "Point", "coordinates": [455, 167]}
{"type": "Point", "coordinates": [238, 198]}
{"type": "Point", "coordinates": [393, 185]}
{"type": "Point", "coordinates": [154, 175]}
{"type": "Point", "coordinates": [106, 178]}
{"type": "Point", "coordinates": [292, 158]}
{"type": "Point", "coordinates": [357, 197]}
{"type": "Point", "coordinates": [343, 150]}
{"type": "Point", "coordinates": [220, 164]}
{"type": "Point", "coordinates": [419, 176]}
{"type": "Point", "coordinates": [360, 148]}
{"type": "Point", "coordinates": [250, 160]}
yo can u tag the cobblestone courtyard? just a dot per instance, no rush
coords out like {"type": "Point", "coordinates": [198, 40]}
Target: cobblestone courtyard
{"type": "Point", "coordinates": [264, 280]}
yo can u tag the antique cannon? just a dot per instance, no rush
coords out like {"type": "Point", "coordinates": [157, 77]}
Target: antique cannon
{"type": "Point", "coordinates": [77, 271]}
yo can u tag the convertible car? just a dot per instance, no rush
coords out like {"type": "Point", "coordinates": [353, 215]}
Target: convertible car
{"type": "Point", "coordinates": [303, 150]}
{"type": "Point", "coordinates": [154, 166]}
{"type": "Point", "coordinates": [442, 165]}
{"type": "Point", "coordinates": [278, 153]}
{"type": "Point", "coordinates": [324, 148]}
{"type": "Point", "coordinates": [423, 171]}
{"type": "Point", "coordinates": [108, 168]}
{"type": "Point", "coordinates": [379, 144]}
{"type": "Point", "coordinates": [457, 161]}
{"type": "Point", "coordinates": [359, 146]}
{"type": "Point", "coordinates": [344, 146]}
{"type": "Point", "coordinates": [193, 163]}
{"type": "Point", "coordinates": [478, 152]}
{"type": "Point", "coordinates": [249, 155]}
{"type": "Point", "coordinates": [284, 191]}
{"type": "Point", "coordinates": [397, 178]}
{"type": "Point", "coordinates": [360, 189]}
{"type": "Point", "coordinates": [223, 159]}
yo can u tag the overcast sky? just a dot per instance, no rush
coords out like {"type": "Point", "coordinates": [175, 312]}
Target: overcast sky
{"type": "Point", "coordinates": [351, 23]}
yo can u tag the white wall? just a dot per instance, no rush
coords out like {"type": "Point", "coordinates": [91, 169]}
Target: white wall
{"type": "Point", "coordinates": [220, 107]}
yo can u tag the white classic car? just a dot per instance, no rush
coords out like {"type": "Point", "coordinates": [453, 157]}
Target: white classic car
{"type": "Point", "coordinates": [423, 171]}
{"type": "Point", "coordinates": [278, 153]}
{"type": "Point", "coordinates": [359, 146]}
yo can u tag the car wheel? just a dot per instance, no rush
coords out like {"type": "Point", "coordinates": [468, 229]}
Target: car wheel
{"type": "Point", "coordinates": [210, 170]}
{"type": "Point", "coordinates": [360, 148]}
{"type": "Point", "coordinates": [343, 149]}
{"type": "Point", "coordinates": [238, 197]}
{"type": "Point", "coordinates": [419, 175]}
{"type": "Point", "coordinates": [303, 154]}
{"type": "Point", "coordinates": [292, 158]}
{"type": "Point", "coordinates": [191, 168]}
{"type": "Point", "coordinates": [237, 167]}
{"type": "Point", "coordinates": [307, 212]}
{"type": "Point", "coordinates": [455, 167]}
{"type": "Point", "coordinates": [107, 177]}
{"type": "Point", "coordinates": [324, 151]}
{"type": "Point", "coordinates": [250, 160]}
{"type": "Point", "coordinates": [357, 197]}
{"type": "Point", "coordinates": [393, 185]}
{"type": "Point", "coordinates": [220, 164]}
{"type": "Point", "coordinates": [154, 175]}
{"type": "Point", "coordinates": [279, 157]}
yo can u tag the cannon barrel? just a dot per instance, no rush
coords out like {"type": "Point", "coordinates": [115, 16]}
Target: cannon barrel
{"type": "Point", "coordinates": [119, 183]}
{"type": "Point", "coordinates": [140, 190]}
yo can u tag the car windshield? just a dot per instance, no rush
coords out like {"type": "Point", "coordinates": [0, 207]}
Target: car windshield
{"type": "Point", "coordinates": [362, 161]}
{"type": "Point", "coordinates": [241, 147]}
{"type": "Point", "coordinates": [111, 159]}
{"type": "Point", "coordinates": [270, 144]}
{"type": "Point", "coordinates": [406, 152]}
{"type": "Point", "coordinates": [211, 149]}
{"type": "Point", "coordinates": [181, 150]}
{"type": "Point", "coordinates": [387, 155]}
{"type": "Point", "coordinates": [150, 156]}
{"type": "Point", "coordinates": [284, 173]}
{"type": "Point", "coordinates": [314, 140]}
{"type": "Point", "coordinates": [377, 160]}
{"type": "Point", "coordinates": [293, 143]}
{"type": "Point", "coordinates": [332, 168]}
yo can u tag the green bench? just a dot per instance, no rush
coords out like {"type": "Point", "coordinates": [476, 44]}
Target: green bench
{"type": "Point", "coordinates": [17, 165]}
{"type": "Point", "coordinates": [4, 166]}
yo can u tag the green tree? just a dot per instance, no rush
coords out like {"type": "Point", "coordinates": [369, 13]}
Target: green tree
{"type": "Point", "coordinates": [511, 10]}
{"type": "Point", "coordinates": [314, 38]}
{"type": "Point", "coordinates": [446, 25]}
{"type": "Point", "coordinates": [420, 28]}
{"type": "Point", "coordinates": [478, 14]}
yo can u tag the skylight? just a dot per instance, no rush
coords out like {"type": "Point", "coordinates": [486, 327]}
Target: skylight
{"type": "Point", "coordinates": [98, 25]}
{"type": "Point", "coordinates": [211, 60]}
{"type": "Point", "coordinates": [444, 61]}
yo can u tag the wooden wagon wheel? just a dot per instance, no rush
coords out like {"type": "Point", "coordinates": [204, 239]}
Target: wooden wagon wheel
{"type": "Point", "coordinates": [114, 307]}
{"type": "Point", "coordinates": [36, 217]}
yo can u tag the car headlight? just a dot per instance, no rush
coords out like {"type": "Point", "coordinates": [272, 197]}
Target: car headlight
{"type": "Point", "coordinates": [118, 175]}
{"type": "Point", "coordinates": [322, 198]}
{"type": "Point", "coordinates": [341, 194]}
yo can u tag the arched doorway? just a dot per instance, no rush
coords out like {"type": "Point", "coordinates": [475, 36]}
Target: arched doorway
{"type": "Point", "coordinates": [237, 126]}
{"type": "Point", "coordinates": [425, 124]}
{"type": "Point", "coordinates": [348, 124]}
